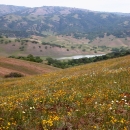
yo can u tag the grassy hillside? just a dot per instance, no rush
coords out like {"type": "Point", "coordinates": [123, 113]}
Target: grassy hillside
{"type": "Point", "coordinates": [63, 31]}
{"type": "Point", "coordinates": [93, 96]}
{"type": "Point", "coordinates": [65, 21]}
{"type": "Point", "coordinates": [8, 65]}
{"type": "Point", "coordinates": [60, 46]}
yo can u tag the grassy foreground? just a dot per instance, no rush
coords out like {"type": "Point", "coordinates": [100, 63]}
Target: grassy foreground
{"type": "Point", "coordinates": [89, 97]}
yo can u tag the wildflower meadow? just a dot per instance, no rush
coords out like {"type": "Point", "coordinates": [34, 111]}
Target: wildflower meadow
{"type": "Point", "coordinates": [95, 96]}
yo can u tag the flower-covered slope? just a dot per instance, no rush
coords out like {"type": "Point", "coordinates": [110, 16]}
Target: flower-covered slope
{"type": "Point", "coordinates": [92, 96]}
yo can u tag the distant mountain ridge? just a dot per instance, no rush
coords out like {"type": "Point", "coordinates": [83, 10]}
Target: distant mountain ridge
{"type": "Point", "coordinates": [62, 20]}
{"type": "Point", "coordinates": [8, 9]}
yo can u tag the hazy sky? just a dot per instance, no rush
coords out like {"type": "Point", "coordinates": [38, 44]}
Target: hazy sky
{"type": "Point", "coordinates": [97, 5]}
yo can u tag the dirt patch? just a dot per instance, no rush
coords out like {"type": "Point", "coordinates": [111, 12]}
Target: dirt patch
{"type": "Point", "coordinates": [5, 71]}
{"type": "Point", "coordinates": [8, 65]}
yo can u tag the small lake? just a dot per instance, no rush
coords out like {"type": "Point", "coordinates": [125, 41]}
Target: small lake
{"type": "Point", "coordinates": [78, 57]}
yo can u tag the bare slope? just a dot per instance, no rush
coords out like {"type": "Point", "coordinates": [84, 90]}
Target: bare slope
{"type": "Point", "coordinates": [8, 65]}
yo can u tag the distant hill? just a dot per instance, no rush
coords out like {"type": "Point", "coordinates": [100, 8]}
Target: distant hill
{"type": "Point", "coordinates": [8, 9]}
{"type": "Point", "coordinates": [60, 46]}
{"type": "Point", "coordinates": [8, 65]}
{"type": "Point", "coordinates": [80, 23]}
{"type": "Point", "coordinates": [61, 31]}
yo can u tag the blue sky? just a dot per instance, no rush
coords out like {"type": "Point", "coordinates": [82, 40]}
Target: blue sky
{"type": "Point", "coordinates": [96, 5]}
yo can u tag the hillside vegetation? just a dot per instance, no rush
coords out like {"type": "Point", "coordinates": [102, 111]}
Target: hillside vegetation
{"type": "Point", "coordinates": [61, 31]}
{"type": "Point", "coordinates": [8, 65]}
{"type": "Point", "coordinates": [60, 46]}
{"type": "Point", "coordinates": [63, 20]}
{"type": "Point", "coordinates": [74, 62]}
{"type": "Point", "coordinates": [94, 97]}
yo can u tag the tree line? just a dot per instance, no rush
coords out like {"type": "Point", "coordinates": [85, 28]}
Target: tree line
{"type": "Point", "coordinates": [28, 58]}
{"type": "Point", "coordinates": [81, 61]}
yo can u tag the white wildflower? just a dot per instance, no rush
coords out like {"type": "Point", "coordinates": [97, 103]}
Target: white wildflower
{"type": "Point", "coordinates": [95, 102]}
{"type": "Point", "coordinates": [110, 108]}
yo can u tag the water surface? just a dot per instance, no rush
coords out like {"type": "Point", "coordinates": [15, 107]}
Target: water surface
{"type": "Point", "coordinates": [78, 57]}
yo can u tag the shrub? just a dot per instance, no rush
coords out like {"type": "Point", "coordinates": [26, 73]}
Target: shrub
{"type": "Point", "coordinates": [13, 75]}
{"type": "Point", "coordinates": [84, 50]}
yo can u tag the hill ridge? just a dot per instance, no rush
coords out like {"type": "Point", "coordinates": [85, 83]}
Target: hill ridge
{"type": "Point", "coordinates": [66, 21]}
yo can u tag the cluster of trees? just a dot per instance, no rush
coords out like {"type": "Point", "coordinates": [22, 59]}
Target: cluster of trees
{"type": "Point", "coordinates": [28, 58]}
{"type": "Point", "coordinates": [119, 33]}
{"type": "Point", "coordinates": [91, 26]}
{"type": "Point", "coordinates": [78, 22]}
{"type": "Point", "coordinates": [19, 33]}
{"type": "Point", "coordinates": [89, 35]}
{"type": "Point", "coordinates": [52, 44]}
{"type": "Point", "coordinates": [25, 41]}
{"type": "Point", "coordinates": [92, 35]}
{"type": "Point", "coordinates": [75, 62]}
{"type": "Point", "coordinates": [12, 33]}
{"type": "Point", "coordinates": [3, 40]}
{"type": "Point", "coordinates": [1, 36]}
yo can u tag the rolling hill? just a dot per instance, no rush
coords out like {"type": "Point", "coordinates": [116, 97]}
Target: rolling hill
{"type": "Point", "coordinates": [87, 97]}
{"type": "Point", "coordinates": [66, 21]}
{"type": "Point", "coordinates": [61, 31]}
{"type": "Point", "coordinates": [8, 65]}
{"type": "Point", "coordinates": [93, 96]}
{"type": "Point", "coordinates": [8, 9]}
{"type": "Point", "coordinates": [60, 46]}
